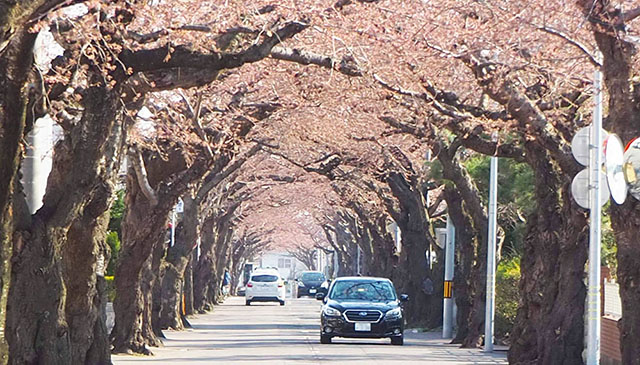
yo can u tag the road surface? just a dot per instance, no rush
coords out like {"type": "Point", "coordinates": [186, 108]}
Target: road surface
{"type": "Point", "coordinates": [266, 333]}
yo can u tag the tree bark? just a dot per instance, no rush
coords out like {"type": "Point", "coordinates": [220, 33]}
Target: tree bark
{"type": "Point", "coordinates": [143, 227]}
{"type": "Point", "coordinates": [14, 69]}
{"type": "Point", "coordinates": [202, 298]}
{"type": "Point", "coordinates": [465, 244]}
{"type": "Point", "coordinates": [85, 306]}
{"type": "Point", "coordinates": [414, 269]}
{"type": "Point", "coordinates": [175, 265]}
{"type": "Point", "coordinates": [38, 331]}
{"type": "Point", "coordinates": [549, 326]}
{"type": "Point", "coordinates": [188, 286]}
{"type": "Point", "coordinates": [624, 120]}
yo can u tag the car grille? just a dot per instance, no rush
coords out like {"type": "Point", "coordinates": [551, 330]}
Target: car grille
{"type": "Point", "coordinates": [363, 315]}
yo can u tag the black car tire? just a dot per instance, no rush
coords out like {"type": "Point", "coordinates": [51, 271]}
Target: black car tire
{"type": "Point", "coordinates": [325, 339]}
{"type": "Point", "coordinates": [397, 340]}
{"type": "Point", "coordinates": [298, 295]}
{"type": "Point", "coordinates": [247, 302]}
{"type": "Point", "coordinates": [282, 302]}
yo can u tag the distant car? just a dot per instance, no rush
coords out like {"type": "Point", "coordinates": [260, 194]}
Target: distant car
{"type": "Point", "coordinates": [362, 307]}
{"type": "Point", "coordinates": [265, 285]}
{"type": "Point", "coordinates": [240, 290]}
{"type": "Point", "coordinates": [309, 283]}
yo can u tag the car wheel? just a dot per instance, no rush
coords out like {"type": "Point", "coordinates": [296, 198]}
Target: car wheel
{"type": "Point", "coordinates": [397, 340]}
{"type": "Point", "coordinates": [325, 339]}
{"type": "Point", "coordinates": [282, 302]}
{"type": "Point", "coordinates": [247, 302]}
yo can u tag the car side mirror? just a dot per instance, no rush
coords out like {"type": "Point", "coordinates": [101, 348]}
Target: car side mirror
{"type": "Point", "coordinates": [404, 297]}
{"type": "Point", "coordinates": [320, 296]}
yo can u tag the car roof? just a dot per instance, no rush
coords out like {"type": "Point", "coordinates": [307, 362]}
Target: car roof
{"type": "Point", "coordinates": [312, 272]}
{"type": "Point", "coordinates": [361, 278]}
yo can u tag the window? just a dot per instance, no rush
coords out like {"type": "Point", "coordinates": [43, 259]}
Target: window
{"type": "Point", "coordinates": [284, 263]}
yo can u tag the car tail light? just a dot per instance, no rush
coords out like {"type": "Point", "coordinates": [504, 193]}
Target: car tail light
{"type": "Point", "coordinates": [249, 285]}
{"type": "Point", "coordinates": [280, 285]}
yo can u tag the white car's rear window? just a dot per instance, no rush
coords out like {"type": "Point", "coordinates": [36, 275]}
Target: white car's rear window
{"type": "Point", "coordinates": [264, 278]}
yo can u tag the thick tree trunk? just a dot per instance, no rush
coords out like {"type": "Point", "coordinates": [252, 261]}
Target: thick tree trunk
{"type": "Point", "coordinates": [175, 265]}
{"type": "Point", "coordinates": [142, 230]}
{"type": "Point", "coordinates": [549, 327]}
{"type": "Point", "coordinates": [38, 331]}
{"type": "Point", "coordinates": [188, 286]}
{"type": "Point", "coordinates": [85, 306]}
{"type": "Point", "coordinates": [465, 245]}
{"type": "Point", "coordinates": [152, 292]}
{"type": "Point", "coordinates": [478, 292]}
{"type": "Point", "coordinates": [413, 267]}
{"type": "Point", "coordinates": [624, 119]}
{"type": "Point", "coordinates": [14, 67]}
{"type": "Point", "coordinates": [86, 243]}
{"type": "Point", "coordinates": [202, 273]}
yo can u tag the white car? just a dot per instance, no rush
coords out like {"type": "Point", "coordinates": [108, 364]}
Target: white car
{"type": "Point", "coordinates": [265, 285]}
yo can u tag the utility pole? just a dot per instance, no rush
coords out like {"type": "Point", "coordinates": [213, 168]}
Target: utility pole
{"type": "Point", "coordinates": [449, 264]}
{"type": "Point", "coordinates": [491, 253]}
{"type": "Point", "coordinates": [595, 209]}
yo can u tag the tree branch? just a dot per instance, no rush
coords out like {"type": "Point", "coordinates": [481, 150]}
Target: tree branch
{"type": "Point", "coordinates": [592, 58]}
{"type": "Point", "coordinates": [346, 65]}
{"type": "Point", "coordinates": [137, 161]}
{"type": "Point", "coordinates": [168, 57]}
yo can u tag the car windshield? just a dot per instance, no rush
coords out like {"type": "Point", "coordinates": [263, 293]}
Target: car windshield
{"type": "Point", "coordinates": [373, 291]}
{"type": "Point", "coordinates": [312, 276]}
{"type": "Point", "coordinates": [264, 278]}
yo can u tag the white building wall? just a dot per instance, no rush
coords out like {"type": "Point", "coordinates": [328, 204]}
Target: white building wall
{"type": "Point", "coordinates": [287, 265]}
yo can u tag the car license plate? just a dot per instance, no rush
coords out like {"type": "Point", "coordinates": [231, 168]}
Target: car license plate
{"type": "Point", "coordinates": [363, 326]}
{"type": "Point", "coordinates": [312, 291]}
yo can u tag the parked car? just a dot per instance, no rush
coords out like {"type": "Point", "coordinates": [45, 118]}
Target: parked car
{"type": "Point", "coordinates": [309, 283]}
{"type": "Point", "coordinates": [362, 307]}
{"type": "Point", "coordinates": [265, 285]}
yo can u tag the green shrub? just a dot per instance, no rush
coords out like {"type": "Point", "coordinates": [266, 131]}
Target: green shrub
{"type": "Point", "coordinates": [114, 243]}
{"type": "Point", "coordinates": [507, 296]}
{"type": "Point", "coordinates": [111, 288]}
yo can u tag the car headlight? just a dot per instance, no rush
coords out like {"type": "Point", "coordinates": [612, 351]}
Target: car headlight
{"type": "Point", "coordinates": [394, 313]}
{"type": "Point", "coordinates": [331, 312]}
{"type": "Point", "coordinates": [300, 284]}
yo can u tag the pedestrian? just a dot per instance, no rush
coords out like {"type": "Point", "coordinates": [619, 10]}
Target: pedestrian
{"type": "Point", "coordinates": [226, 282]}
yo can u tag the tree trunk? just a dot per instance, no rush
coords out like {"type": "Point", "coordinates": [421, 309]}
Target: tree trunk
{"type": "Point", "coordinates": [86, 243]}
{"type": "Point", "coordinates": [85, 306]}
{"type": "Point", "coordinates": [465, 246]}
{"type": "Point", "coordinates": [35, 309]}
{"type": "Point", "coordinates": [152, 291]}
{"type": "Point", "coordinates": [175, 265]}
{"type": "Point", "coordinates": [414, 268]}
{"type": "Point", "coordinates": [549, 326]}
{"type": "Point", "coordinates": [14, 69]}
{"type": "Point", "coordinates": [204, 268]}
{"type": "Point", "coordinates": [141, 232]}
{"type": "Point", "coordinates": [624, 120]}
{"type": "Point", "coordinates": [188, 286]}
{"type": "Point", "coordinates": [38, 331]}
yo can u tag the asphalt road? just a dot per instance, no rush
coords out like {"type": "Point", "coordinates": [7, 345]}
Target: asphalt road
{"type": "Point", "coordinates": [266, 333]}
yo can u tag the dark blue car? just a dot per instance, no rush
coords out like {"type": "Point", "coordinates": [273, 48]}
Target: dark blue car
{"type": "Point", "coordinates": [362, 307]}
{"type": "Point", "coordinates": [310, 283]}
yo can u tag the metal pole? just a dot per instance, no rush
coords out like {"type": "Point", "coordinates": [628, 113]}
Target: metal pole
{"type": "Point", "coordinates": [595, 162]}
{"type": "Point", "coordinates": [491, 256]}
{"type": "Point", "coordinates": [173, 227]}
{"type": "Point", "coordinates": [449, 262]}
